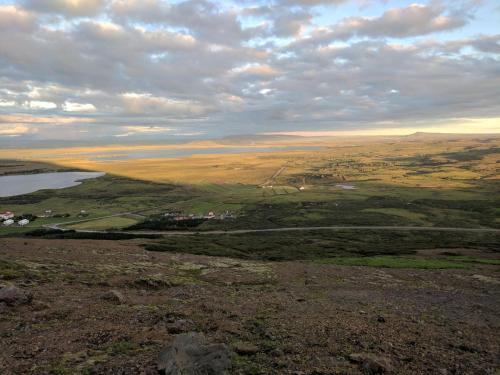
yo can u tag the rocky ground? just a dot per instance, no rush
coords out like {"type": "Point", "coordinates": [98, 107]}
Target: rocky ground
{"type": "Point", "coordinates": [104, 307]}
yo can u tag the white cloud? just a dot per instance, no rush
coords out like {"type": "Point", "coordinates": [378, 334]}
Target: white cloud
{"type": "Point", "coordinates": [7, 103]}
{"type": "Point", "coordinates": [40, 104]}
{"type": "Point", "coordinates": [78, 107]}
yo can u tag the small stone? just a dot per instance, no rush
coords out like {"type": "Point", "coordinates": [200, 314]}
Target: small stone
{"type": "Point", "coordinates": [245, 348]}
{"type": "Point", "coordinates": [113, 296]}
{"type": "Point", "coordinates": [12, 295]}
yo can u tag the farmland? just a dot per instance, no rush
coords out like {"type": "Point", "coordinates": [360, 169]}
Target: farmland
{"type": "Point", "coordinates": [405, 181]}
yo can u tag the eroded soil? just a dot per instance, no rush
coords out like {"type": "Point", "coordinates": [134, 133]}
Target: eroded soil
{"type": "Point", "coordinates": [279, 318]}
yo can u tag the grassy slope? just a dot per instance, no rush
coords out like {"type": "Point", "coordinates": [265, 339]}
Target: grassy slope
{"type": "Point", "coordinates": [321, 244]}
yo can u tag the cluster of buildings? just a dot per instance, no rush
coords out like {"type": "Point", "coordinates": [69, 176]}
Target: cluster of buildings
{"type": "Point", "coordinates": [7, 219]}
{"type": "Point", "coordinates": [178, 216]}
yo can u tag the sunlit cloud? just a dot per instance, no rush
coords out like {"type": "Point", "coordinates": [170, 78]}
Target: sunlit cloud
{"type": "Point", "coordinates": [11, 131]}
{"type": "Point", "coordinates": [132, 130]}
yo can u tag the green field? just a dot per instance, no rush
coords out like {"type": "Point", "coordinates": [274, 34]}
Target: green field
{"type": "Point", "coordinates": [116, 222]}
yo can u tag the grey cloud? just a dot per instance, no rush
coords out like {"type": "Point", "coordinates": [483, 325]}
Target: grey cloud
{"type": "Point", "coordinates": [204, 19]}
{"type": "Point", "coordinates": [414, 20]}
{"type": "Point", "coordinates": [308, 3]}
{"type": "Point", "coordinates": [71, 8]}
{"type": "Point", "coordinates": [290, 23]}
{"type": "Point", "coordinates": [13, 19]}
{"type": "Point", "coordinates": [487, 43]}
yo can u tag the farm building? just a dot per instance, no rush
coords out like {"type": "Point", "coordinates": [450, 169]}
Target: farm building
{"type": "Point", "coordinates": [8, 222]}
{"type": "Point", "coordinates": [6, 215]}
{"type": "Point", "coordinates": [23, 222]}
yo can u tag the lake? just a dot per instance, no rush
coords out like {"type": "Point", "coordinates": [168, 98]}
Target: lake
{"type": "Point", "coordinates": [28, 183]}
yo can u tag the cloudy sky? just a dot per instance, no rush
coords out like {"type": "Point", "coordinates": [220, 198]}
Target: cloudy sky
{"type": "Point", "coordinates": [161, 69]}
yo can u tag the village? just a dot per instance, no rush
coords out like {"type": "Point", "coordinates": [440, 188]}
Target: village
{"type": "Point", "coordinates": [8, 218]}
{"type": "Point", "coordinates": [179, 216]}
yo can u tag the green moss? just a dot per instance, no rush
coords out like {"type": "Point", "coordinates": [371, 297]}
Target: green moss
{"type": "Point", "coordinates": [122, 347]}
{"type": "Point", "coordinates": [10, 270]}
{"type": "Point", "coordinates": [394, 262]}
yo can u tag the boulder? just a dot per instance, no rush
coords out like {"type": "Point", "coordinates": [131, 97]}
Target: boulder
{"type": "Point", "coordinates": [11, 295]}
{"type": "Point", "coordinates": [113, 296]}
{"type": "Point", "coordinates": [372, 364]}
{"type": "Point", "coordinates": [245, 348]}
{"type": "Point", "coordinates": [191, 354]}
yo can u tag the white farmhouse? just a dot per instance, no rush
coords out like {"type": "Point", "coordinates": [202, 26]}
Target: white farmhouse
{"type": "Point", "coordinates": [23, 222]}
{"type": "Point", "coordinates": [6, 215]}
{"type": "Point", "coordinates": [8, 222]}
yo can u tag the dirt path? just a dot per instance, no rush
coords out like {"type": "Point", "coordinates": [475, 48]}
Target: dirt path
{"type": "Point", "coordinates": [274, 176]}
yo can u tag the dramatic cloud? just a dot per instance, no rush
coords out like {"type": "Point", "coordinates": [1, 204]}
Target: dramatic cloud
{"type": "Point", "coordinates": [138, 68]}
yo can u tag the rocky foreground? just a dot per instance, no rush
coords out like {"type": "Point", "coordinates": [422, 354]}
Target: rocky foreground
{"type": "Point", "coordinates": [104, 307]}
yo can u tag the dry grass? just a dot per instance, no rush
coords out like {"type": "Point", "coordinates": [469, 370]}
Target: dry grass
{"type": "Point", "coordinates": [353, 159]}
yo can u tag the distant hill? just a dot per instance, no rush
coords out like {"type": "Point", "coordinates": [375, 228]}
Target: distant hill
{"type": "Point", "coordinates": [249, 138]}
{"type": "Point", "coordinates": [424, 136]}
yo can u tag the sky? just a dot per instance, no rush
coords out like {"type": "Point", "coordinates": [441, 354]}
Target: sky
{"type": "Point", "coordinates": [122, 70]}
